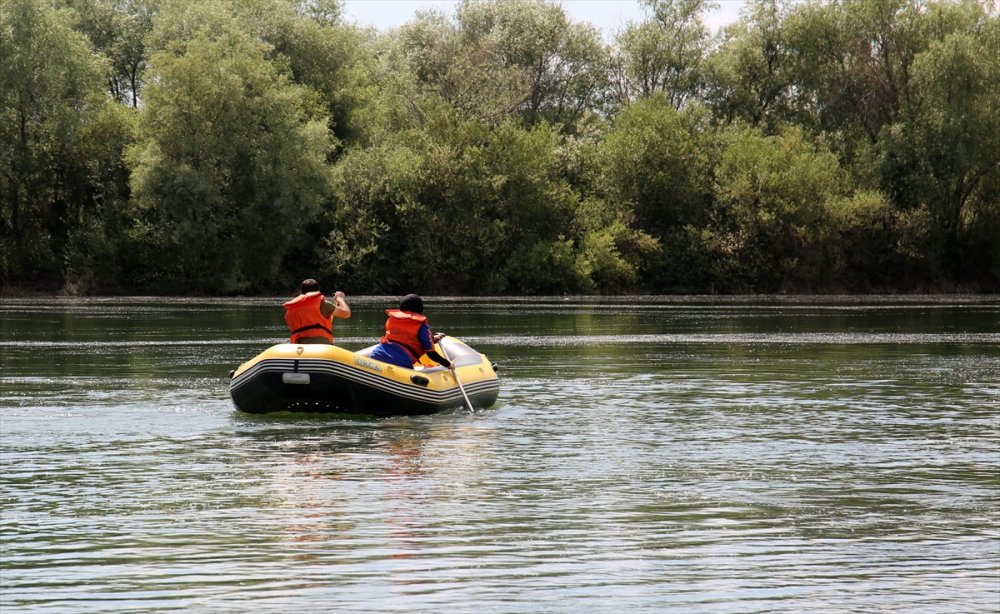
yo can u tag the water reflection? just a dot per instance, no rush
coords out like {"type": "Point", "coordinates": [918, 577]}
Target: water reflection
{"type": "Point", "coordinates": [319, 473]}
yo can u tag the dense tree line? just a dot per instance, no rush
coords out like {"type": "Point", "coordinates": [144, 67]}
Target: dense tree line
{"type": "Point", "coordinates": [237, 146]}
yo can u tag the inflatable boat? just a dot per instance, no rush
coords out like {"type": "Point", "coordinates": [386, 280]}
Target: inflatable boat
{"type": "Point", "coordinates": [327, 378]}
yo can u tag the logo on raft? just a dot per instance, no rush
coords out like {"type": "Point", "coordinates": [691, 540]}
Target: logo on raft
{"type": "Point", "coordinates": [367, 363]}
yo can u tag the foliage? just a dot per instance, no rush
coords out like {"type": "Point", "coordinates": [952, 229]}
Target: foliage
{"type": "Point", "coordinates": [447, 68]}
{"type": "Point", "coordinates": [748, 78]}
{"type": "Point", "coordinates": [99, 246]}
{"type": "Point", "coordinates": [117, 29]}
{"type": "Point", "coordinates": [657, 159]}
{"type": "Point", "coordinates": [49, 91]}
{"type": "Point", "coordinates": [663, 55]}
{"type": "Point", "coordinates": [944, 153]}
{"type": "Point", "coordinates": [233, 146]}
{"type": "Point", "coordinates": [562, 62]}
{"type": "Point", "coordinates": [485, 206]}
{"type": "Point", "coordinates": [231, 160]}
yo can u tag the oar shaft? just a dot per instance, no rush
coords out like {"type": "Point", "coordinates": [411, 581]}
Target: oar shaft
{"type": "Point", "coordinates": [454, 372]}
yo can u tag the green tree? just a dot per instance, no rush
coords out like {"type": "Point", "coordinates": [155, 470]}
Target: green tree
{"type": "Point", "coordinates": [306, 36]}
{"type": "Point", "coordinates": [870, 246]}
{"type": "Point", "coordinates": [658, 159]}
{"type": "Point", "coordinates": [323, 12]}
{"type": "Point", "coordinates": [50, 84]}
{"type": "Point", "coordinates": [373, 186]}
{"type": "Point", "coordinates": [455, 206]}
{"type": "Point", "coordinates": [944, 153]}
{"type": "Point", "coordinates": [748, 77]}
{"type": "Point", "coordinates": [231, 161]}
{"type": "Point", "coordinates": [854, 58]}
{"type": "Point", "coordinates": [98, 251]}
{"type": "Point", "coordinates": [654, 168]}
{"type": "Point", "coordinates": [117, 29]}
{"type": "Point", "coordinates": [773, 195]}
{"type": "Point", "coordinates": [444, 65]}
{"type": "Point", "coordinates": [564, 63]}
{"type": "Point", "coordinates": [664, 54]}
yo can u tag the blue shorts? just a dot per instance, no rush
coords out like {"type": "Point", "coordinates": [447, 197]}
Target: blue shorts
{"type": "Point", "coordinates": [394, 354]}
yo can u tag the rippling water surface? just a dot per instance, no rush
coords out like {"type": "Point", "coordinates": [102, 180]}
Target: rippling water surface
{"type": "Point", "coordinates": [681, 455]}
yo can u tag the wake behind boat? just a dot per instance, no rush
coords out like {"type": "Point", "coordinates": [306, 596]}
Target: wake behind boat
{"type": "Point", "coordinates": [327, 378]}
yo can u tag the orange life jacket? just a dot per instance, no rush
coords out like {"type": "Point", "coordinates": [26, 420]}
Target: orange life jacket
{"type": "Point", "coordinates": [305, 319]}
{"type": "Point", "coordinates": [401, 327]}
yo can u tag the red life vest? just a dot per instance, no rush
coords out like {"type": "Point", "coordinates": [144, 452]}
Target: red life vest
{"type": "Point", "coordinates": [305, 319]}
{"type": "Point", "coordinates": [401, 327]}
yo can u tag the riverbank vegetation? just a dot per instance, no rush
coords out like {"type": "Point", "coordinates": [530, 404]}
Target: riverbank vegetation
{"type": "Point", "coordinates": [237, 146]}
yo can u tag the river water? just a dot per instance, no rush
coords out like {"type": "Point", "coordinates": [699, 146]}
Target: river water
{"type": "Point", "coordinates": [645, 455]}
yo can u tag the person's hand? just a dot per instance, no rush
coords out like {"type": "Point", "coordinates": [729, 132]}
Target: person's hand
{"type": "Point", "coordinates": [338, 295]}
{"type": "Point", "coordinates": [438, 337]}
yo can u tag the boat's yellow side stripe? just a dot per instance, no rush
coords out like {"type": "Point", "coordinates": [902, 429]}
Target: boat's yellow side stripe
{"type": "Point", "coordinates": [314, 355]}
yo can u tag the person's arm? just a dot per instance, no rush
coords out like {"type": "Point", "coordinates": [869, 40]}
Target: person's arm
{"type": "Point", "coordinates": [441, 360]}
{"type": "Point", "coordinates": [427, 343]}
{"type": "Point", "coordinates": [340, 307]}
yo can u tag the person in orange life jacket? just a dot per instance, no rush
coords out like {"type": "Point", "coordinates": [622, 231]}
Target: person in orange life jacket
{"type": "Point", "coordinates": [407, 336]}
{"type": "Point", "coordinates": [310, 314]}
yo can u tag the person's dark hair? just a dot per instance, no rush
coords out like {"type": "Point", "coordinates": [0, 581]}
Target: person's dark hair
{"type": "Point", "coordinates": [412, 303]}
{"type": "Point", "coordinates": [308, 285]}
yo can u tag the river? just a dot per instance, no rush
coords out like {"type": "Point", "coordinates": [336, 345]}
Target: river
{"type": "Point", "coordinates": [663, 454]}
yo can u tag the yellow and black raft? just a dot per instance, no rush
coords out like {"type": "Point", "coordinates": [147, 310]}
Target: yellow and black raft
{"type": "Point", "coordinates": [327, 378]}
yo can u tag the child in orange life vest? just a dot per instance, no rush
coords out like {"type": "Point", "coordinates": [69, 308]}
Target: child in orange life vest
{"type": "Point", "coordinates": [310, 315]}
{"type": "Point", "coordinates": [407, 336]}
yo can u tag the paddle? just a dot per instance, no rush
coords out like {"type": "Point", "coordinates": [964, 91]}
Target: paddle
{"type": "Point", "coordinates": [444, 352]}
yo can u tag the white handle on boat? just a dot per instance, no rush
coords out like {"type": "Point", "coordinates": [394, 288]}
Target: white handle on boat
{"type": "Point", "coordinates": [455, 373]}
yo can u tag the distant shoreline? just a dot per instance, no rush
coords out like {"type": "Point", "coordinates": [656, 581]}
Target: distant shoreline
{"type": "Point", "coordinates": [957, 293]}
